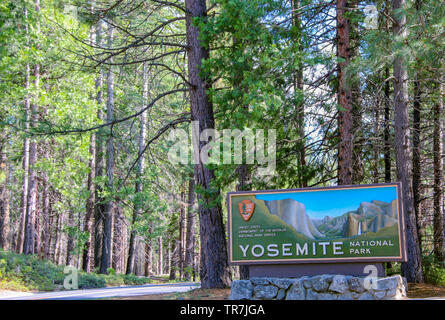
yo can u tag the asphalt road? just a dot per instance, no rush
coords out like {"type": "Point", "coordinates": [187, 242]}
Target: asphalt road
{"type": "Point", "coordinates": [109, 292]}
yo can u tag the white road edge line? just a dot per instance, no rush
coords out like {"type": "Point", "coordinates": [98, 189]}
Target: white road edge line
{"type": "Point", "coordinates": [46, 296]}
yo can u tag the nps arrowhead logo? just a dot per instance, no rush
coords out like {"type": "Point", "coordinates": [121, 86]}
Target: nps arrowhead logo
{"type": "Point", "coordinates": [246, 208]}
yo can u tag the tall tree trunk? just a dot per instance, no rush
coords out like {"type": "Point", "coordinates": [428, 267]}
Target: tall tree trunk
{"type": "Point", "coordinates": [386, 134]}
{"type": "Point", "coordinates": [181, 236]}
{"type": "Point", "coordinates": [412, 269]}
{"type": "Point", "coordinates": [298, 90]}
{"type": "Point", "coordinates": [376, 144]}
{"type": "Point", "coordinates": [45, 234]}
{"type": "Point", "coordinates": [25, 187]}
{"type": "Point", "coordinates": [417, 174]}
{"type": "Point", "coordinates": [387, 103]}
{"type": "Point", "coordinates": [70, 241]}
{"type": "Point", "coordinates": [52, 228]}
{"type": "Point", "coordinates": [99, 208]}
{"type": "Point", "coordinates": [244, 184]}
{"type": "Point", "coordinates": [30, 218]}
{"type": "Point", "coordinates": [215, 271]}
{"type": "Point", "coordinates": [190, 231]}
{"type": "Point", "coordinates": [148, 258]}
{"type": "Point", "coordinates": [88, 253]}
{"type": "Point", "coordinates": [108, 225]}
{"type": "Point", "coordinates": [37, 224]}
{"type": "Point", "coordinates": [31, 210]}
{"type": "Point", "coordinates": [173, 258]}
{"type": "Point", "coordinates": [139, 172]}
{"type": "Point", "coordinates": [24, 195]}
{"type": "Point", "coordinates": [118, 240]}
{"type": "Point", "coordinates": [438, 217]}
{"type": "Point", "coordinates": [416, 136]}
{"type": "Point", "coordinates": [345, 147]}
{"type": "Point", "coordinates": [356, 101]}
{"type": "Point", "coordinates": [161, 256]}
{"type": "Point", "coordinates": [4, 196]}
{"type": "Point", "coordinates": [59, 239]}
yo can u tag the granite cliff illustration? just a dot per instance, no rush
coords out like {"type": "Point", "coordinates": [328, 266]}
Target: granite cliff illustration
{"type": "Point", "coordinates": [294, 214]}
{"type": "Point", "coordinates": [369, 217]}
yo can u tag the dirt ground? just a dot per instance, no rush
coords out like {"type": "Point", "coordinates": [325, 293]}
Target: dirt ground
{"type": "Point", "coordinates": [196, 294]}
{"type": "Point", "coordinates": [424, 290]}
{"type": "Point", "coordinates": [415, 290]}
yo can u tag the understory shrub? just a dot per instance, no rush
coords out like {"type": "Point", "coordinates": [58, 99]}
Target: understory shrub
{"type": "Point", "coordinates": [21, 272]}
{"type": "Point", "coordinates": [433, 270]}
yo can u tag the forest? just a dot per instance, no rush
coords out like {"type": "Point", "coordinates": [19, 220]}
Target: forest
{"type": "Point", "coordinates": [98, 97]}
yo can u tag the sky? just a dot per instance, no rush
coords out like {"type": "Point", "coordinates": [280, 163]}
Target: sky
{"type": "Point", "coordinates": [334, 203]}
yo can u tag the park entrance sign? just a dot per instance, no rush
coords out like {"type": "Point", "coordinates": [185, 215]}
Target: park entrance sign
{"type": "Point", "coordinates": [362, 223]}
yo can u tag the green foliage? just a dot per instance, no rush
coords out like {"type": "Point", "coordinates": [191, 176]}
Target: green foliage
{"type": "Point", "coordinates": [394, 269]}
{"type": "Point", "coordinates": [433, 270]}
{"type": "Point", "coordinates": [91, 280]}
{"type": "Point", "coordinates": [131, 279]}
{"type": "Point", "coordinates": [114, 280]}
{"type": "Point", "coordinates": [111, 272]}
{"type": "Point", "coordinates": [255, 52]}
{"type": "Point", "coordinates": [26, 272]}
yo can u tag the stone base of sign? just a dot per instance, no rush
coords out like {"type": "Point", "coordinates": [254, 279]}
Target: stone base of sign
{"type": "Point", "coordinates": [312, 269]}
{"type": "Point", "coordinates": [320, 287]}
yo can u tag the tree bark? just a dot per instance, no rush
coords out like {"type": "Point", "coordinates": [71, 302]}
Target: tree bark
{"type": "Point", "coordinates": [173, 259]}
{"type": "Point", "coordinates": [298, 90]}
{"type": "Point", "coordinates": [31, 210]}
{"type": "Point", "coordinates": [70, 241]}
{"type": "Point", "coordinates": [148, 258]}
{"type": "Point", "coordinates": [345, 147]}
{"type": "Point", "coordinates": [52, 228]}
{"type": "Point", "coordinates": [412, 269]}
{"type": "Point", "coordinates": [118, 240]}
{"type": "Point", "coordinates": [215, 271]}
{"type": "Point", "coordinates": [25, 187]}
{"type": "Point", "coordinates": [386, 132]}
{"type": "Point", "coordinates": [161, 256]}
{"type": "Point", "coordinates": [438, 217]}
{"type": "Point", "coordinates": [181, 236]}
{"type": "Point", "coordinates": [387, 103]}
{"type": "Point", "coordinates": [244, 184]}
{"type": "Point", "coordinates": [356, 102]}
{"type": "Point", "coordinates": [45, 247]}
{"type": "Point", "coordinates": [107, 246]}
{"type": "Point", "coordinates": [4, 197]}
{"type": "Point", "coordinates": [99, 207]}
{"type": "Point", "coordinates": [24, 196]}
{"type": "Point", "coordinates": [376, 145]}
{"type": "Point", "coordinates": [30, 218]}
{"type": "Point", "coordinates": [59, 239]}
{"type": "Point", "coordinates": [190, 231]}
{"type": "Point", "coordinates": [88, 252]}
{"type": "Point", "coordinates": [139, 171]}
{"type": "Point", "coordinates": [417, 173]}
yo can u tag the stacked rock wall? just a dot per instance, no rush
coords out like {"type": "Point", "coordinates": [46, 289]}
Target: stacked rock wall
{"type": "Point", "coordinates": [320, 287]}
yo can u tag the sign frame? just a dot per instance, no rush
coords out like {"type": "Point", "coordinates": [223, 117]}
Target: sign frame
{"type": "Point", "coordinates": [401, 228]}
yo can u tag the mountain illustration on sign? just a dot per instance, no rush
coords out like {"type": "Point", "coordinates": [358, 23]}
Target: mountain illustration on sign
{"type": "Point", "coordinates": [369, 217]}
